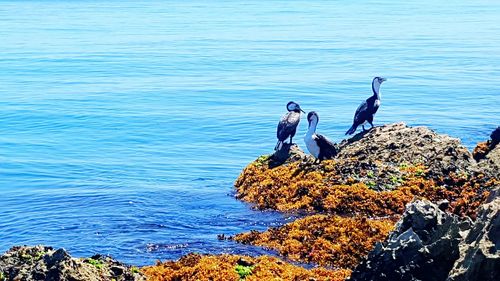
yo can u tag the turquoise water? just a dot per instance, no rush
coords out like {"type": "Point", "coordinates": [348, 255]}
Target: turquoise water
{"type": "Point", "coordinates": [123, 124]}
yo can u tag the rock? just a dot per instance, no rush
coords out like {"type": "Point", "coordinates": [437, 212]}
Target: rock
{"type": "Point", "coordinates": [398, 144]}
{"type": "Point", "coordinates": [287, 153]}
{"type": "Point", "coordinates": [424, 246]}
{"type": "Point", "coordinates": [429, 244]}
{"type": "Point", "coordinates": [375, 174]}
{"type": "Point", "coordinates": [244, 262]}
{"type": "Point", "coordinates": [480, 250]}
{"type": "Point", "coordinates": [45, 263]}
{"type": "Point", "coordinates": [382, 151]}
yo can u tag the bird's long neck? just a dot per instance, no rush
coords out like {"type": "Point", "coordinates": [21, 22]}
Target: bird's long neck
{"type": "Point", "coordinates": [312, 128]}
{"type": "Point", "coordinates": [376, 89]}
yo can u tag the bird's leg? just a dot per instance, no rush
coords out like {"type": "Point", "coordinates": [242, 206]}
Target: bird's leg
{"type": "Point", "coordinates": [364, 130]}
{"type": "Point", "coordinates": [371, 124]}
{"type": "Point", "coordinates": [291, 140]}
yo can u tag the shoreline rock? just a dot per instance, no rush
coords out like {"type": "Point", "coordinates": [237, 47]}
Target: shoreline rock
{"type": "Point", "coordinates": [372, 175]}
{"type": "Point", "coordinates": [46, 263]}
{"type": "Point", "coordinates": [424, 246]}
{"type": "Point", "coordinates": [376, 174]}
{"type": "Point", "coordinates": [480, 250]}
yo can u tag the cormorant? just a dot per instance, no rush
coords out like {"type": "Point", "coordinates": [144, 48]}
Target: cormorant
{"type": "Point", "coordinates": [318, 145]}
{"type": "Point", "coordinates": [368, 108]}
{"type": "Point", "coordinates": [288, 124]}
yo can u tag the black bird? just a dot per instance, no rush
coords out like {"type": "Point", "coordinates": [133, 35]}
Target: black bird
{"type": "Point", "coordinates": [495, 137]}
{"type": "Point", "coordinates": [318, 145]}
{"type": "Point", "coordinates": [288, 124]}
{"type": "Point", "coordinates": [368, 108]}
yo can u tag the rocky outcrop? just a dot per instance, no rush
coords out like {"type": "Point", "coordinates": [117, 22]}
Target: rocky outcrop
{"type": "Point", "coordinates": [480, 250]}
{"type": "Point", "coordinates": [45, 263]}
{"type": "Point", "coordinates": [375, 174]}
{"type": "Point", "coordinates": [397, 144]}
{"type": "Point", "coordinates": [424, 246]}
{"type": "Point", "coordinates": [287, 154]}
{"type": "Point", "coordinates": [429, 244]}
{"type": "Point", "coordinates": [376, 156]}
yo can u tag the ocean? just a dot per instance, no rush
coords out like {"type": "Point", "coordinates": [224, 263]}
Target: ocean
{"type": "Point", "coordinates": [123, 124]}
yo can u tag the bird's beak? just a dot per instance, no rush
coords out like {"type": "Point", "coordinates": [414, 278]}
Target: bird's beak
{"type": "Point", "coordinates": [302, 110]}
{"type": "Point", "coordinates": [384, 79]}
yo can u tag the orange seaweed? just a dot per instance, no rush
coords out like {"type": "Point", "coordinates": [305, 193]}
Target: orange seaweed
{"type": "Point", "coordinates": [321, 189]}
{"type": "Point", "coordinates": [223, 268]}
{"type": "Point", "coordinates": [326, 240]}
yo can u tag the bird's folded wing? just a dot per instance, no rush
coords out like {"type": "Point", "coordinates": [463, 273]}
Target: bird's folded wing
{"type": "Point", "coordinates": [324, 141]}
{"type": "Point", "coordinates": [360, 115]}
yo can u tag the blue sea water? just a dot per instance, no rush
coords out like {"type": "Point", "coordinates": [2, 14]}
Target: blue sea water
{"type": "Point", "coordinates": [123, 124]}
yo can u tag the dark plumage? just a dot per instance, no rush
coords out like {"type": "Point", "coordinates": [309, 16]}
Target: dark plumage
{"type": "Point", "coordinates": [318, 145]}
{"type": "Point", "coordinates": [368, 108]}
{"type": "Point", "coordinates": [495, 136]}
{"type": "Point", "coordinates": [287, 126]}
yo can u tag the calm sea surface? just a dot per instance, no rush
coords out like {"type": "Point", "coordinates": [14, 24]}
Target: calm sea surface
{"type": "Point", "coordinates": [123, 124]}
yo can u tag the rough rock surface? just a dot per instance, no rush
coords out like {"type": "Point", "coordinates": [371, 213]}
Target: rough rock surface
{"type": "Point", "coordinates": [397, 144]}
{"type": "Point", "coordinates": [424, 246]}
{"type": "Point", "coordinates": [381, 152]}
{"type": "Point", "coordinates": [45, 263]}
{"type": "Point", "coordinates": [287, 153]}
{"type": "Point", "coordinates": [480, 250]}
{"type": "Point", "coordinates": [429, 244]}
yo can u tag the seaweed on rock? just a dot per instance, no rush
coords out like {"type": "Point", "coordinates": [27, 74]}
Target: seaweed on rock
{"type": "Point", "coordinates": [326, 240]}
{"type": "Point", "coordinates": [320, 188]}
{"type": "Point", "coordinates": [225, 268]}
{"type": "Point", "coordinates": [373, 177]}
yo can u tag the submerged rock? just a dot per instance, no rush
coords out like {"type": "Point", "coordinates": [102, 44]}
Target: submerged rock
{"type": "Point", "coordinates": [45, 263]}
{"type": "Point", "coordinates": [424, 246]}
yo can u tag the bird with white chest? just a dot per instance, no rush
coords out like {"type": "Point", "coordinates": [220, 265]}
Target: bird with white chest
{"type": "Point", "coordinates": [367, 109]}
{"type": "Point", "coordinates": [287, 126]}
{"type": "Point", "coordinates": [318, 145]}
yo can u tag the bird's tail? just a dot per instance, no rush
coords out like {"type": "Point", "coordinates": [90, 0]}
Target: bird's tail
{"type": "Point", "coordinates": [278, 145]}
{"type": "Point", "coordinates": [351, 130]}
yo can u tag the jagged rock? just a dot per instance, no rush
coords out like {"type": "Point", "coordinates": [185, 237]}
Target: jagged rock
{"type": "Point", "coordinates": [424, 246]}
{"type": "Point", "coordinates": [397, 144]}
{"type": "Point", "coordinates": [44, 263]}
{"type": "Point", "coordinates": [480, 250]}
